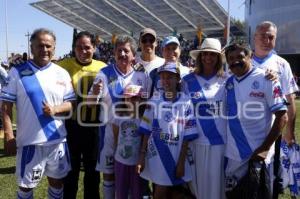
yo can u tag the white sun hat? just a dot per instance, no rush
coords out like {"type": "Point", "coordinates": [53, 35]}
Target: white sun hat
{"type": "Point", "coordinates": [208, 45]}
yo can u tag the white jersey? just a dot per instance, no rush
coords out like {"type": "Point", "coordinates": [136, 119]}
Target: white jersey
{"type": "Point", "coordinates": [250, 102]}
{"type": "Point", "coordinates": [168, 124]}
{"type": "Point", "coordinates": [129, 141]}
{"type": "Point", "coordinates": [114, 82]}
{"type": "Point", "coordinates": [283, 69]}
{"type": "Point", "coordinates": [208, 96]}
{"type": "Point", "coordinates": [149, 66]}
{"type": "Point", "coordinates": [28, 86]}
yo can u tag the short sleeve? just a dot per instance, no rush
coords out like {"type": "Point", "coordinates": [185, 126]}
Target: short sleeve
{"type": "Point", "coordinates": [69, 94]}
{"type": "Point", "coordinates": [146, 121]}
{"type": "Point", "coordinates": [9, 90]}
{"type": "Point", "coordinates": [288, 82]}
{"type": "Point", "coordinates": [274, 96]}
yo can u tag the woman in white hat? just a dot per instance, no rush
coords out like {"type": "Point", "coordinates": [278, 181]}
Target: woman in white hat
{"type": "Point", "coordinates": [206, 88]}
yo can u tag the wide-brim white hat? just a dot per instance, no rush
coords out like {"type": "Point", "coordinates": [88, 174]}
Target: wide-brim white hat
{"type": "Point", "coordinates": [208, 45]}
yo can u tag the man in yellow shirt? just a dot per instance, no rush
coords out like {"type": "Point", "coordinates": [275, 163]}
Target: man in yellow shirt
{"type": "Point", "coordinates": [82, 128]}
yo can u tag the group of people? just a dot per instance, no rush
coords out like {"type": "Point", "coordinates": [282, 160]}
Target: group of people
{"type": "Point", "coordinates": [145, 119]}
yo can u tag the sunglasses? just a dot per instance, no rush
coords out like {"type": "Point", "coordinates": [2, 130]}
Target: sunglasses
{"type": "Point", "coordinates": [147, 40]}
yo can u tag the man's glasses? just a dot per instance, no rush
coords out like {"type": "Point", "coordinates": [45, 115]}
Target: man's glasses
{"type": "Point", "coordinates": [147, 40]}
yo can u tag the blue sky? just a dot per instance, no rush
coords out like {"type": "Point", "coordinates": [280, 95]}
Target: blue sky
{"type": "Point", "coordinates": [23, 18]}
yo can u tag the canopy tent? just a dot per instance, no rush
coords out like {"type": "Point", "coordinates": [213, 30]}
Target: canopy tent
{"type": "Point", "coordinates": [112, 17]}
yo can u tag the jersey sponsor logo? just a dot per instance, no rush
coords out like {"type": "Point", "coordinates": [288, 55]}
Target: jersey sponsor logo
{"type": "Point", "coordinates": [257, 94]}
{"type": "Point", "coordinates": [255, 85]}
{"type": "Point", "coordinates": [36, 174]}
{"type": "Point", "coordinates": [26, 72]}
{"type": "Point", "coordinates": [277, 92]}
{"type": "Point", "coordinates": [190, 124]}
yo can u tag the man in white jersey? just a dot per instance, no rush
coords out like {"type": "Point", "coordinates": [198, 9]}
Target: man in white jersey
{"type": "Point", "coordinates": [42, 91]}
{"type": "Point", "coordinates": [265, 58]}
{"type": "Point", "coordinates": [251, 100]}
{"type": "Point", "coordinates": [148, 43]}
{"type": "Point", "coordinates": [109, 85]}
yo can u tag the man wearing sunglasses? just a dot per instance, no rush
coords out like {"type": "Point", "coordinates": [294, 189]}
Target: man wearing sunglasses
{"type": "Point", "coordinates": [148, 43]}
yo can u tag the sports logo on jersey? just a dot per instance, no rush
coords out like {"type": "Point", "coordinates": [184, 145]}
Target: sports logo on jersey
{"type": "Point", "coordinates": [206, 86]}
{"type": "Point", "coordinates": [139, 82]}
{"type": "Point", "coordinates": [257, 94]}
{"type": "Point", "coordinates": [229, 86]}
{"type": "Point", "coordinates": [27, 72]}
{"type": "Point", "coordinates": [255, 85]}
{"type": "Point", "coordinates": [168, 116]}
{"type": "Point", "coordinates": [36, 174]}
{"type": "Point", "coordinates": [277, 92]}
{"type": "Point", "coordinates": [197, 95]}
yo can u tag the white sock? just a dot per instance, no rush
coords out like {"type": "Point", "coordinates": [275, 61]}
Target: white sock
{"type": "Point", "coordinates": [24, 195]}
{"type": "Point", "coordinates": [54, 193]}
{"type": "Point", "coordinates": [109, 189]}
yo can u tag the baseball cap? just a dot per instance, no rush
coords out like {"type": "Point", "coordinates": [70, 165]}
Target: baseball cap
{"type": "Point", "coordinates": [170, 39]}
{"type": "Point", "coordinates": [169, 67]}
{"type": "Point", "coordinates": [146, 31]}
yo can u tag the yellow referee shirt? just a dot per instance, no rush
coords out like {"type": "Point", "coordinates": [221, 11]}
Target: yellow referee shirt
{"type": "Point", "coordinates": [82, 79]}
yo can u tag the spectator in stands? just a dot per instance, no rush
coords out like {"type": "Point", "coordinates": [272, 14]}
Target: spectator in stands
{"type": "Point", "coordinates": [24, 56]}
{"type": "Point", "coordinates": [82, 128]}
{"type": "Point", "coordinates": [206, 87]}
{"type": "Point", "coordinates": [109, 86]}
{"type": "Point", "coordinates": [265, 58]}
{"type": "Point", "coordinates": [41, 90]}
{"type": "Point", "coordinates": [148, 43]}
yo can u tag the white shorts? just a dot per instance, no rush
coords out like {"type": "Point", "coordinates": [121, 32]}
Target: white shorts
{"type": "Point", "coordinates": [208, 171]}
{"type": "Point", "coordinates": [105, 161]}
{"type": "Point", "coordinates": [34, 161]}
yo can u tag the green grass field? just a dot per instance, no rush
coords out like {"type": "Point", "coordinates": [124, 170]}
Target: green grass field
{"type": "Point", "coordinates": [8, 181]}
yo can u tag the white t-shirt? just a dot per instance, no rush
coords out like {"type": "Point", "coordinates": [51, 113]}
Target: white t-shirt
{"type": "Point", "coordinates": [208, 97]}
{"type": "Point", "coordinates": [283, 69]}
{"type": "Point", "coordinates": [28, 86]}
{"type": "Point", "coordinates": [168, 124]}
{"type": "Point", "coordinates": [149, 66]}
{"type": "Point", "coordinates": [250, 101]}
{"type": "Point", "coordinates": [129, 141]}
